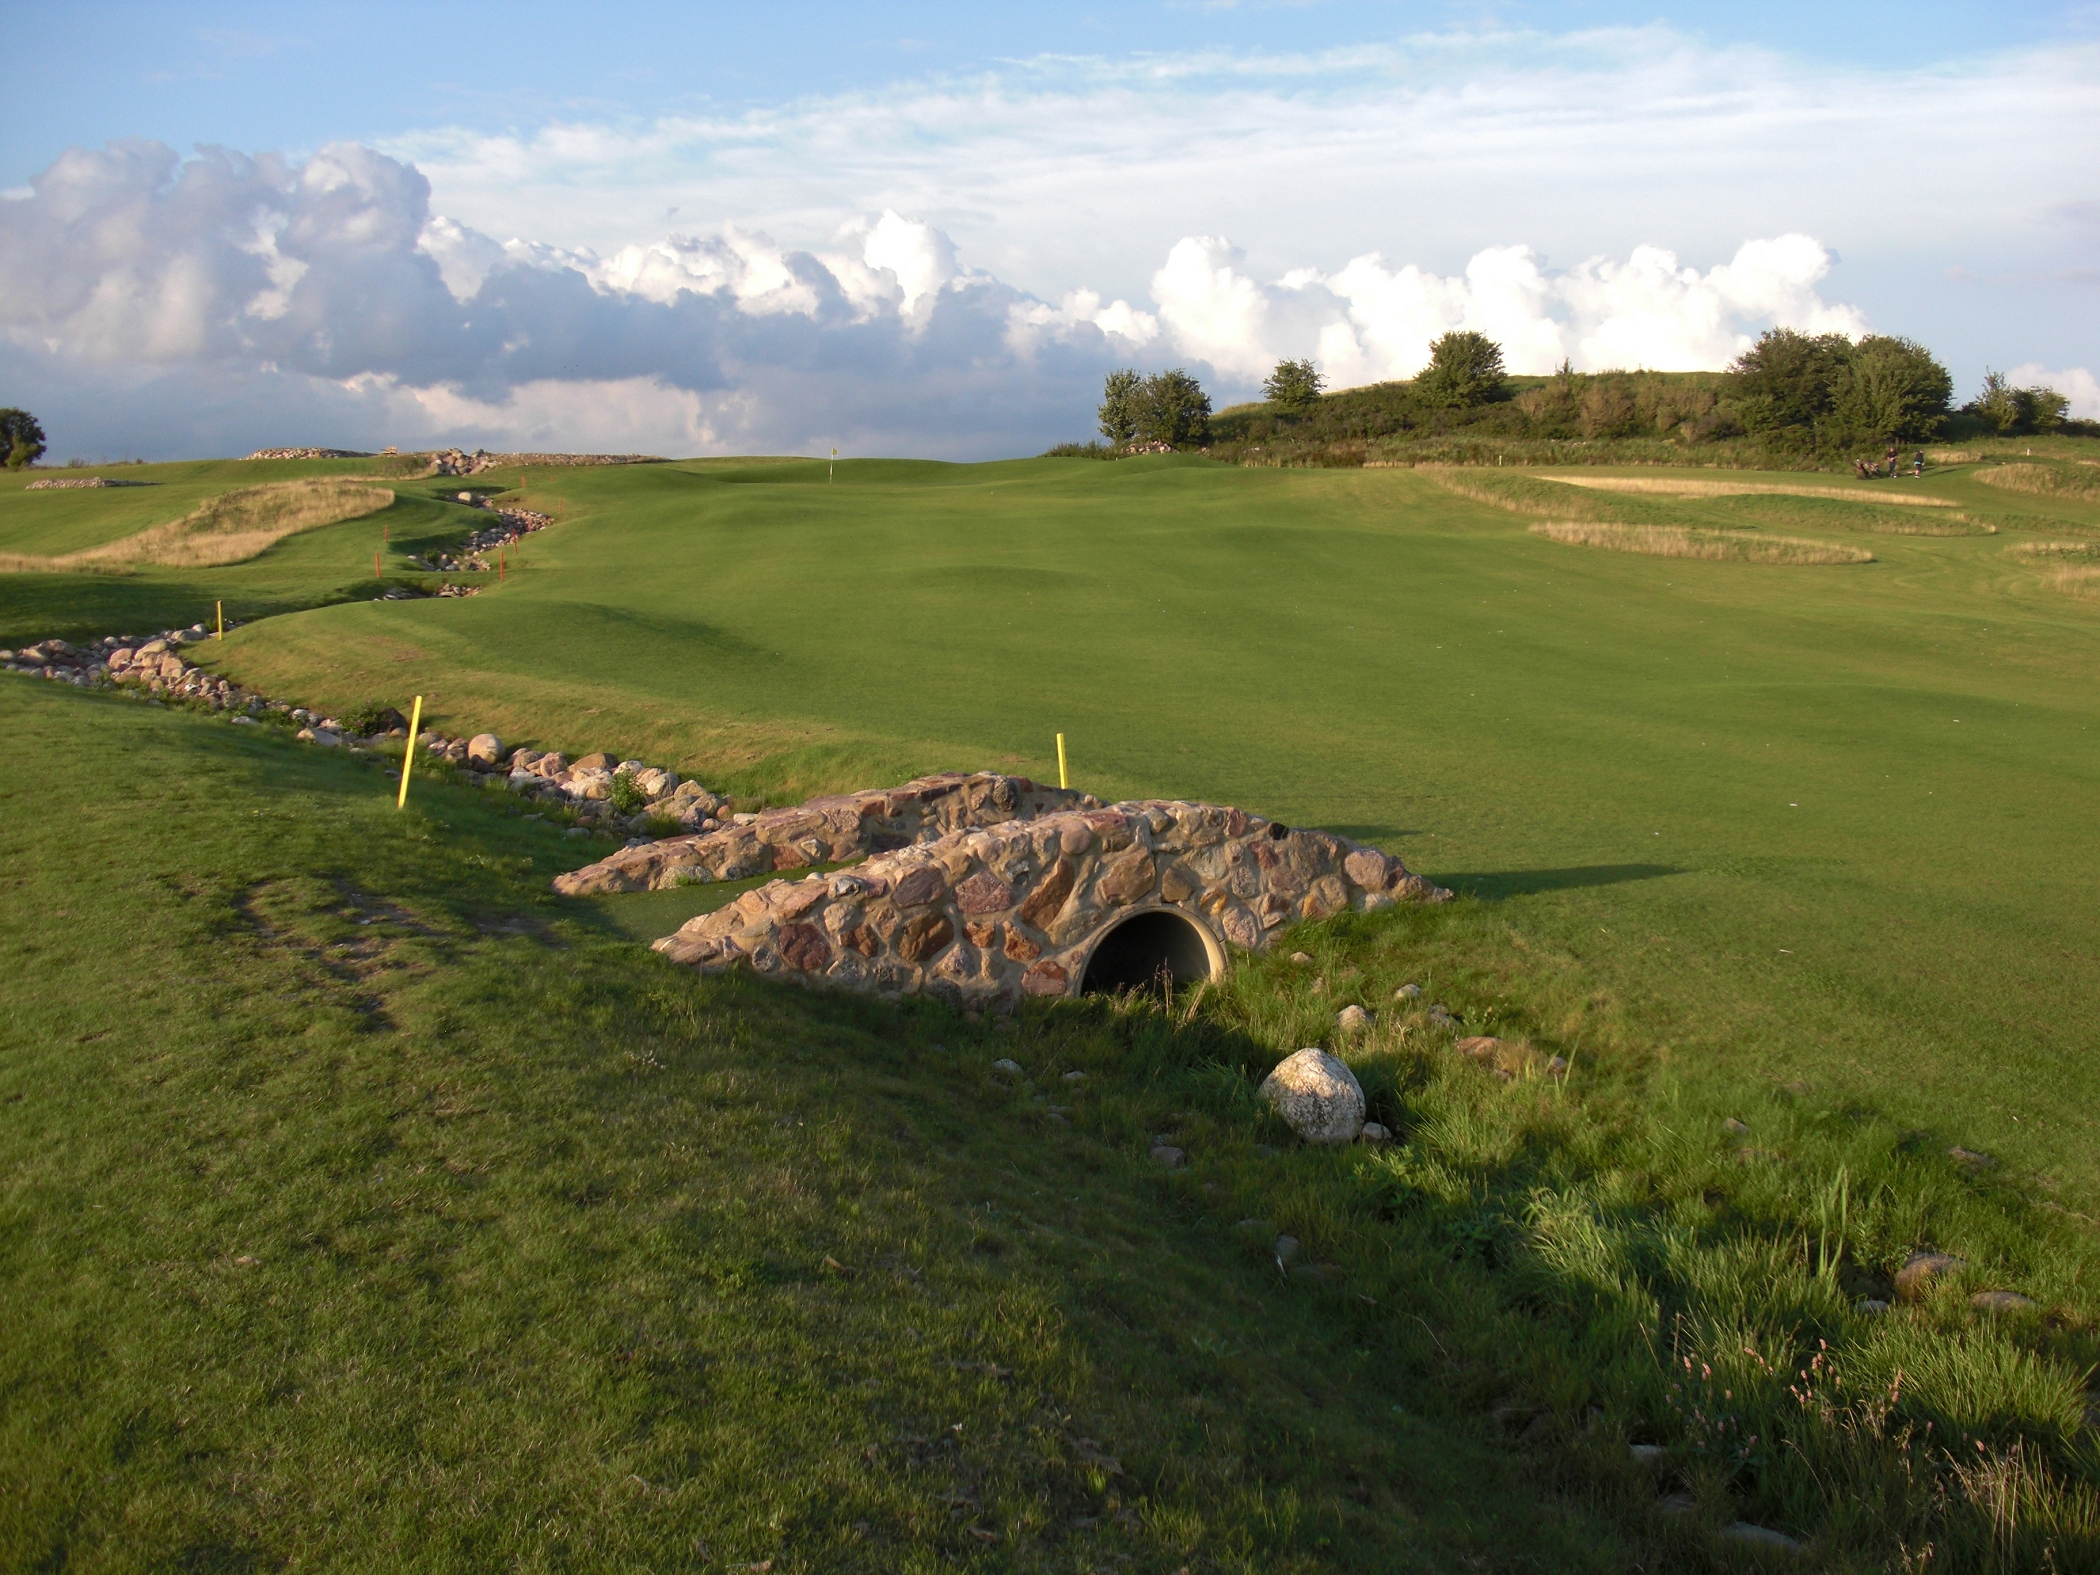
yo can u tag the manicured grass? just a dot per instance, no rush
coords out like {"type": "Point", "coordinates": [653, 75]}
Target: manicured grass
{"type": "Point", "coordinates": [367, 1207]}
{"type": "Point", "coordinates": [319, 567]}
{"type": "Point", "coordinates": [1805, 823]}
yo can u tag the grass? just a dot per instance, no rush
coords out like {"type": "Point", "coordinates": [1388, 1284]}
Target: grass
{"type": "Point", "coordinates": [368, 1206]}
{"type": "Point", "coordinates": [318, 566]}
{"type": "Point", "coordinates": [2056, 481]}
{"type": "Point", "coordinates": [1803, 827]}
{"type": "Point", "coordinates": [1701, 487]}
{"type": "Point", "coordinates": [224, 528]}
{"type": "Point", "coordinates": [1670, 541]}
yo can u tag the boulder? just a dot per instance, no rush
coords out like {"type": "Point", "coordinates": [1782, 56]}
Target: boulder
{"type": "Point", "coordinates": [1920, 1269]}
{"type": "Point", "coordinates": [600, 761]}
{"type": "Point", "coordinates": [652, 782]}
{"type": "Point", "coordinates": [1318, 1097]}
{"type": "Point", "coordinates": [484, 749]}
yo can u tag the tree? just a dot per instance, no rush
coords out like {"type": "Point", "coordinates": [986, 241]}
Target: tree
{"type": "Point", "coordinates": [1119, 401]}
{"type": "Point", "coordinates": [2011, 409]}
{"type": "Point", "coordinates": [1788, 379]}
{"type": "Point", "coordinates": [1465, 369]}
{"type": "Point", "coordinates": [1173, 409]}
{"type": "Point", "coordinates": [1888, 388]}
{"type": "Point", "coordinates": [1295, 385]}
{"type": "Point", "coordinates": [20, 437]}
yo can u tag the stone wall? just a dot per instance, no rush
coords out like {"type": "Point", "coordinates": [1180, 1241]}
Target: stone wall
{"type": "Point", "coordinates": [829, 830]}
{"type": "Point", "coordinates": [988, 915]}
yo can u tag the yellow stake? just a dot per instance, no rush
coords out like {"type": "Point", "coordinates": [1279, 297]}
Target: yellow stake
{"type": "Point", "coordinates": [1061, 782]}
{"type": "Point", "coordinates": [408, 758]}
{"type": "Point", "coordinates": [222, 619]}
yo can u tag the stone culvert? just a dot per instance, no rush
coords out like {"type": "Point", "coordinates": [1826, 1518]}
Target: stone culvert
{"type": "Point", "coordinates": [831, 830]}
{"type": "Point", "coordinates": [1064, 903]}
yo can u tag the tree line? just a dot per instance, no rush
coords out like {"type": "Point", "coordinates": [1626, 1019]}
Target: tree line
{"type": "Point", "coordinates": [1808, 395]}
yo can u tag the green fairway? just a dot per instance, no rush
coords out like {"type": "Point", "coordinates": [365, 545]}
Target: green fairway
{"type": "Point", "coordinates": [365, 1207]}
{"type": "Point", "coordinates": [317, 567]}
{"type": "Point", "coordinates": [1807, 822]}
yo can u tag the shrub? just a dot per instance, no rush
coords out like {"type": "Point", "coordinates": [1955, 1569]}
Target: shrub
{"type": "Point", "coordinates": [624, 797]}
{"type": "Point", "coordinates": [1295, 385]}
{"type": "Point", "coordinates": [1465, 370]}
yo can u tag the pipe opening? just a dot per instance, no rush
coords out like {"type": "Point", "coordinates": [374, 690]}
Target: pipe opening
{"type": "Point", "coordinates": [1148, 951]}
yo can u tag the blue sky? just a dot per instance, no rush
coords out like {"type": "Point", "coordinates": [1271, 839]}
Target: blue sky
{"type": "Point", "coordinates": [928, 229]}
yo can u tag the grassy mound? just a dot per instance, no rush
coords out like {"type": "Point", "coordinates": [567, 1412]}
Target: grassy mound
{"type": "Point", "coordinates": [2080, 482]}
{"type": "Point", "coordinates": [369, 1207]}
{"type": "Point", "coordinates": [227, 527]}
{"type": "Point", "coordinates": [1677, 541]}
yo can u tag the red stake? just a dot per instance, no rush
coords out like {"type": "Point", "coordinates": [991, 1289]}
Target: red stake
{"type": "Point", "coordinates": [376, 574]}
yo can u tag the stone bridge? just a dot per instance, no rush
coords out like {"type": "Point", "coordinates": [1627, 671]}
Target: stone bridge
{"type": "Point", "coordinates": [1057, 895]}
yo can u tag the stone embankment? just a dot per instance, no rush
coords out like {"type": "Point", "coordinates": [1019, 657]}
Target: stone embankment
{"type": "Point", "coordinates": [452, 462]}
{"type": "Point", "coordinates": [65, 483]}
{"type": "Point", "coordinates": [988, 915]}
{"type": "Point", "coordinates": [514, 524]}
{"type": "Point", "coordinates": [832, 830]}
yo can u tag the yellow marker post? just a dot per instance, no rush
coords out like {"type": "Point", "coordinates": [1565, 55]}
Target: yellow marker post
{"type": "Point", "coordinates": [1061, 782]}
{"type": "Point", "coordinates": [221, 606]}
{"type": "Point", "coordinates": [408, 758]}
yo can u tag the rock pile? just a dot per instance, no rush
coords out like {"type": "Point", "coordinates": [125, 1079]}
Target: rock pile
{"type": "Point", "coordinates": [514, 524]}
{"type": "Point", "coordinates": [587, 785]}
{"type": "Point", "coordinates": [155, 663]}
{"type": "Point", "coordinates": [58, 483]}
{"type": "Point", "coordinates": [309, 453]}
{"type": "Point", "coordinates": [453, 463]}
{"type": "Point", "coordinates": [987, 915]}
{"type": "Point", "coordinates": [830, 830]}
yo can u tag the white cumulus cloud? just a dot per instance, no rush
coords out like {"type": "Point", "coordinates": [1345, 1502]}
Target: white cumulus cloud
{"type": "Point", "coordinates": [2077, 385]}
{"type": "Point", "coordinates": [129, 268]}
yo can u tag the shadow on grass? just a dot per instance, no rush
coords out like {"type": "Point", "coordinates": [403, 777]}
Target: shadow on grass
{"type": "Point", "coordinates": [1524, 883]}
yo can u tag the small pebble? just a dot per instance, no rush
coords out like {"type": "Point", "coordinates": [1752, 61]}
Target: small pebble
{"type": "Point", "coordinates": [1353, 1020]}
{"type": "Point", "coordinates": [1168, 1155]}
{"type": "Point", "coordinates": [1285, 1248]}
{"type": "Point", "coordinates": [1408, 992]}
{"type": "Point", "coordinates": [1075, 1077]}
{"type": "Point", "coordinates": [1735, 1128]}
{"type": "Point", "coordinates": [2000, 1301]}
{"type": "Point", "coordinates": [1301, 959]}
{"type": "Point", "coordinates": [1870, 1306]}
{"type": "Point", "coordinates": [1374, 1133]}
{"type": "Point", "coordinates": [1007, 1067]}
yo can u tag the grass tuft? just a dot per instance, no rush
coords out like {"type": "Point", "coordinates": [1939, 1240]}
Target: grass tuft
{"type": "Point", "coordinates": [1678, 541]}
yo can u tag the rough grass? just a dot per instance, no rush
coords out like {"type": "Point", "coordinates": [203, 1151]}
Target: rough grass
{"type": "Point", "coordinates": [1823, 513]}
{"type": "Point", "coordinates": [370, 1208]}
{"type": "Point", "coordinates": [1676, 541]}
{"type": "Point", "coordinates": [230, 527]}
{"type": "Point", "coordinates": [1700, 487]}
{"type": "Point", "coordinates": [2079, 482]}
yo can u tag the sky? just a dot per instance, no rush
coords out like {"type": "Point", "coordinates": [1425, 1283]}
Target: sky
{"type": "Point", "coordinates": [930, 230]}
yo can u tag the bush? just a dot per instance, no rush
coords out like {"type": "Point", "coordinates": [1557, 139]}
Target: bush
{"type": "Point", "coordinates": [1295, 385]}
{"type": "Point", "coordinates": [624, 797]}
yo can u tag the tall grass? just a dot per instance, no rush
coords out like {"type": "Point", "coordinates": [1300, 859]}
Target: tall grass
{"type": "Point", "coordinates": [2081, 482]}
{"type": "Point", "coordinates": [1589, 1250]}
{"type": "Point", "coordinates": [1695, 487]}
{"type": "Point", "coordinates": [1682, 541]}
{"type": "Point", "coordinates": [229, 528]}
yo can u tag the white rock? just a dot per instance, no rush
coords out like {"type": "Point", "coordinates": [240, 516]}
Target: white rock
{"type": "Point", "coordinates": [1317, 1096]}
{"type": "Point", "coordinates": [1408, 992]}
{"type": "Point", "coordinates": [1007, 1067]}
{"type": "Point", "coordinates": [1374, 1133]}
{"type": "Point", "coordinates": [1353, 1020]}
{"type": "Point", "coordinates": [484, 749]}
